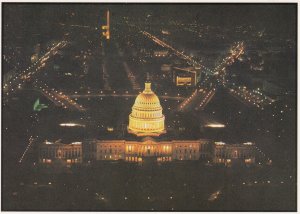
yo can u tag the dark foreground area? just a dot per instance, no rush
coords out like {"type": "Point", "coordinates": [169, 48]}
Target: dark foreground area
{"type": "Point", "coordinates": [172, 186]}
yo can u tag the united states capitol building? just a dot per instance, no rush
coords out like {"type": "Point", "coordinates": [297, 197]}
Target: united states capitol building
{"type": "Point", "coordinates": [147, 121]}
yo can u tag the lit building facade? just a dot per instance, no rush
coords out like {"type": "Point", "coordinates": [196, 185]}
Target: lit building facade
{"type": "Point", "coordinates": [135, 151]}
{"type": "Point", "coordinates": [51, 152]}
{"type": "Point", "coordinates": [186, 76]}
{"type": "Point", "coordinates": [147, 149]}
{"type": "Point", "coordinates": [162, 53]}
{"type": "Point", "coordinates": [229, 153]}
{"type": "Point", "coordinates": [146, 118]}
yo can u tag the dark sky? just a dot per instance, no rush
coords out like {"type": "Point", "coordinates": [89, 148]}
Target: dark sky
{"type": "Point", "coordinates": [275, 17]}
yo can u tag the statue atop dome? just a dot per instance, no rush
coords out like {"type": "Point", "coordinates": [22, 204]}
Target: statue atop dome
{"type": "Point", "coordinates": [146, 118]}
{"type": "Point", "coordinates": [148, 89]}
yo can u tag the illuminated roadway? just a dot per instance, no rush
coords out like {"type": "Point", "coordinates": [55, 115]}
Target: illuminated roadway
{"type": "Point", "coordinates": [219, 72]}
{"type": "Point", "coordinates": [130, 75]}
{"type": "Point", "coordinates": [120, 95]}
{"type": "Point", "coordinates": [250, 98]}
{"type": "Point", "coordinates": [202, 96]}
{"type": "Point", "coordinates": [199, 98]}
{"type": "Point", "coordinates": [105, 75]}
{"type": "Point", "coordinates": [58, 98]}
{"type": "Point", "coordinates": [31, 140]}
{"type": "Point", "coordinates": [22, 77]}
{"type": "Point", "coordinates": [180, 54]}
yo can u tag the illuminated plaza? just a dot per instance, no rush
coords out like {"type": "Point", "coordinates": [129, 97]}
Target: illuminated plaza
{"type": "Point", "coordinates": [149, 107]}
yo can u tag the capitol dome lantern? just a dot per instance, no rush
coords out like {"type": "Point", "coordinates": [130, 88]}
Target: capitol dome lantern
{"type": "Point", "coordinates": [146, 118]}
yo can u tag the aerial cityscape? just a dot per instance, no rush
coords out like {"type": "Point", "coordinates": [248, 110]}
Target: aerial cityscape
{"type": "Point", "coordinates": [149, 107]}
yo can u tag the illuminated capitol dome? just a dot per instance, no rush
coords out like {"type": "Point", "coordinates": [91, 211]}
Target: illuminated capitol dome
{"type": "Point", "coordinates": [146, 118]}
